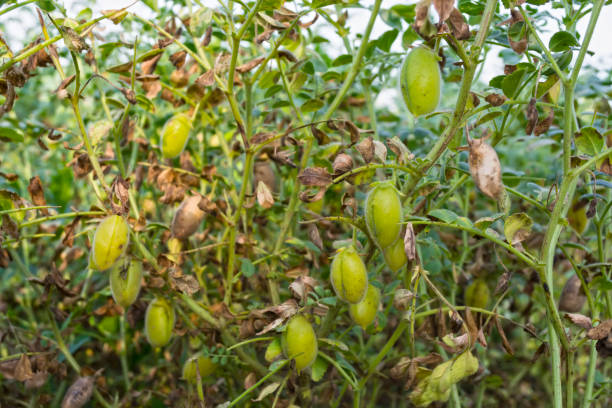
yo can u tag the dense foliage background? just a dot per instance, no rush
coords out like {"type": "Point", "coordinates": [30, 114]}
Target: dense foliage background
{"type": "Point", "coordinates": [290, 129]}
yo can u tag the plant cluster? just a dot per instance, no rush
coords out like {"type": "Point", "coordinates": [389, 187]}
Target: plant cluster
{"type": "Point", "coordinates": [213, 206]}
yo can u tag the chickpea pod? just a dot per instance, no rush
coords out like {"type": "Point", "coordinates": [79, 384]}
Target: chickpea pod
{"type": "Point", "coordinates": [300, 342]}
{"type": "Point", "coordinates": [364, 312]}
{"type": "Point", "coordinates": [420, 81]}
{"type": "Point", "coordinates": [159, 322]}
{"type": "Point", "coordinates": [109, 243]}
{"type": "Point", "coordinates": [125, 283]}
{"type": "Point", "coordinates": [383, 214]}
{"type": "Point", "coordinates": [175, 135]}
{"type": "Point", "coordinates": [349, 276]}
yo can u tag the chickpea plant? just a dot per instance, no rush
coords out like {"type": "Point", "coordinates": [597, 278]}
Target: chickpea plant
{"type": "Point", "coordinates": [311, 203]}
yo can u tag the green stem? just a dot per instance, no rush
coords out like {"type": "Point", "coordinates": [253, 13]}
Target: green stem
{"type": "Point", "coordinates": [60, 216]}
{"type": "Point", "coordinates": [14, 6]}
{"type": "Point", "coordinates": [77, 113]}
{"type": "Point", "coordinates": [248, 169]}
{"type": "Point", "coordinates": [123, 354]}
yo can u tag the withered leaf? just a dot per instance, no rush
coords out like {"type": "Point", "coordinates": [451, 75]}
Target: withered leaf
{"type": "Point", "coordinates": [545, 123]}
{"type": "Point", "coordinates": [73, 40]}
{"type": "Point", "coordinates": [61, 91]}
{"type": "Point", "coordinates": [495, 99]}
{"type": "Point", "coordinates": [366, 149]}
{"type": "Point", "coordinates": [206, 79]}
{"type": "Point", "coordinates": [501, 332]}
{"type": "Point", "coordinates": [69, 231]}
{"type": "Point", "coordinates": [444, 8]}
{"type": "Point", "coordinates": [320, 135]}
{"type": "Point", "coordinates": [410, 242]}
{"type": "Point", "coordinates": [402, 299]}
{"type": "Point", "coordinates": [307, 197]}
{"type": "Point", "coordinates": [579, 320]}
{"type": "Point", "coordinates": [400, 150]}
{"type": "Point", "coordinates": [353, 131]}
{"type": "Point", "coordinates": [248, 66]}
{"type": "Point", "coordinates": [342, 164]}
{"type": "Point", "coordinates": [301, 286]}
{"type": "Point", "coordinates": [283, 311]}
{"type": "Point", "coordinates": [458, 25]}
{"type": "Point", "coordinates": [178, 59]}
{"type": "Point", "coordinates": [485, 168]}
{"type": "Point", "coordinates": [288, 55]}
{"type": "Point", "coordinates": [36, 192]}
{"type": "Point", "coordinates": [539, 352]}
{"type": "Point", "coordinates": [471, 325]}
{"type": "Point", "coordinates": [315, 176]}
{"type": "Point", "coordinates": [380, 151]}
{"type": "Point", "coordinates": [601, 331]}
{"type": "Point", "coordinates": [187, 284]}
{"type": "Point", "coordinates": [422, 14]}
{"type": "Point", "coordinates": [147, 67]}
{"type": "Point", "coordinates": [532, 116]}
{"type": "Point", "coordinates": [315, 236]}
{"type": "Point", "coordinates": [207, 37]}
{"type": "Point", "coordinates": [264, 195]}
{"type": "Point", "coordinates": [502, 283]}
{"type": "Point", "coordinates": [23, 370]}
{"type": "Point", "coordinates": [116, 16]}
{"type": "Point", "coordinates": [120, 196]}
{"type": "Point", "coordinates": [79, 393]}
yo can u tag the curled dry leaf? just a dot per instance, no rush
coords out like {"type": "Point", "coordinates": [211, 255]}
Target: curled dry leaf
{"type": "Point", "coordinates": [79, 393]}
{"type": "Point", "coordinates": [248, 66]}
{"type": "Point", "coordinates": [263, 172]}
{"type": "Point", "coordinates": [302, 286]}
{"type": "Point", "coordinates": [366, 149]}
{"type": "Point", "coordinates": [342, 163]}
{"type": "Point", "coordinates": [572, 296]}
{"type": "Point", "coordinates": [458, 25]}
{"type": "Point", "coordinates": [320, 135]}
{"type": "Point", "coordinates": [505, 343]}
{"type": "Point", "coordinates": [580, 320]}
{"type": "Point", "coordinates": [264, 195]}
{"type": "Point", "coordinates": [36, 192]}
{"type": "Point", "coordinates": [444, 8]}
{"type": "Point", "coordinates": [532, 116]}
{"type": "Point", "coordinates": [422, 15]}
{"type": "Point", "coordinates": [410, 242]}
{"type": "Point", "coordinates": [120, 196]}
{"type": "Point", "coordinates": [601, 331]}
{"type": "Point", "coordinates": [495, 99]}
{"type": "Point", "coordinates": [187, 284]}
{"type": "Point", "coordinates": [485, 168]}
{"type": "Point", "coordinates": [315, 236]}
{"type": "Point", "coordinates": [544, 124]}
{"type": "Point", "coordinates": [282, 312]}
{"type": "Point", "coordinates": [517, 42]}
{"type": "Point", "coordinates": [380, 151]}
{"type": "Point", "coordinates": [402, 299]}
{"type": "Point", "coordinates": [315, 176]}
{"type": "Point", "coordinates": [69, 232]}
{"type": "Point", "coordinates": [178, 59]}
{"type": "Point", "coordinates": [401, 151]}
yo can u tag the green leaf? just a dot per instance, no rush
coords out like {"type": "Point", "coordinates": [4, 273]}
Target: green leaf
{"type": "Point", "coordinates": [589, 141]}
{"type": "Point", "coordinates": [319, 367]}
{"type": "Point", "coordinates": [404, 11]}
{"type": "Point", "coordinates": [268, 79]}
{"type": "Point", "coordinates": [312, 105]}
{"type": "Point", "coordinates": [149, 54]}
{"type": "Point", "coordinates": [46, 5]}
{"type": "Point", "coordinates": [385, 41]}
{"type": "Point", "coordinates": [473, 8]}
{"type": "Point", "coordinates": [517, 228]}
{"type": "Point", "coordinates": [488, 117]}
{"type": "Point", "coordinates": [342, 60]}
{"type": "Point", "coordinates": [562, 41]}
{"type": "Point", "coordinates": [545, 86]}
{"type": "Point", "coordinates": [511, 83]}
{"type": "Point", "coordinates": [409, 37]}
{"type": "Point", "coordinates": [601, 283]}
{"type": "Point", "coordinates": [446, 216]}
{"type": "Point", "coordinates": [496, 82]}
{"type": "Point", "coordinates": [246, 267]}
{"type": "Point", "coordinates": [11, 135]}
{"type": "Point", "coordinates": [335, 343]}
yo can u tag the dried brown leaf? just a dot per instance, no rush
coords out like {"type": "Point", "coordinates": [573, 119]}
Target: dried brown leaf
{"type": "Point", "coordinates": [579, 320]}
{"type": "Point", "coordinates": [248, 66]}
{"type": "Point", "coordinates": [501, 332]}
{"type": "Point", "coordinates": [315, 176]}
{"type": "Point", "coordinates": [485, 168]}
{"type": "Point", "coordinates": [264, 195]}
{"type": "Point", "coordinates": [444, 8]}
{"type": "Point", "coordinates": [545, 123]}
{"type": "Point", "coordinates": [37, 194]}
{"type": "Point", "coordinates": [600, 331]}
{"type": "Point", "coordinates": [410, 242]}
{"type": "Point", "coordinates": [342, 164]}
{"type": "Point", "coordinates": [532, 116]}
{"type": "Point", "coordinates": [79, 393]}
{"type": "Point", "coordinates": [366, 149]}
{"type": "Point", "coordinates": [458, 25]}
{"type": "Point", "coordinates": [495, 99]}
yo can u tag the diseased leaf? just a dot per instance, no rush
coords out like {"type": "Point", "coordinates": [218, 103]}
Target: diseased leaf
{"type": "Point", "coordinates": [315, 176]}
{"type": "Point", "coordinates": [444, 8]}
{"type": "Point", "coordinates": [517, 228]}
{"type": "Point", "coordinates": [602, 330]}
{"type": "Point", "coordinates": [36, 192]}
